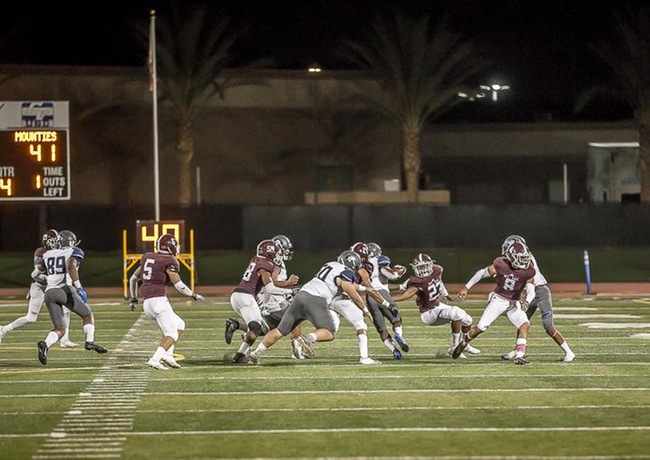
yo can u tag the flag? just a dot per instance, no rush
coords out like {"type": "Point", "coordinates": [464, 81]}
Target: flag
{"type": "Point", "coordinates": [151, 59]}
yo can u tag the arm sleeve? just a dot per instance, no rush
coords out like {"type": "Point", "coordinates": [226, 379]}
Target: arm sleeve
{"type": "Point", "coordinates": [478, 276]}
{"type": "Point", "coordinates": [530, 292]}
{"type": "Point", "coordinates": [39, 276]}
{"type": "Point", "coordinates": [273, 289]}
{"type": "Point", "coordinates": [180, 287]}
{"type": "Point", "coordinates": [133, 286]}
{"type": "Point", "coordinates": [443, 289]}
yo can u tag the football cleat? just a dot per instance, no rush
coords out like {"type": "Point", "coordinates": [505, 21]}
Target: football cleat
{"type": "Point", "coordinates": [92, 346]}
{"type": "Point", "coordinates": [305, 347]}
{"type": "Point", "coordinates": [239, 358]}
{"type": "Point", "coordinates": [368, 361]}
{"type": "Point", "coordinates": [459, 349]}
{"type": "Point", "coordinates": [521, 361]}
{"type": "Point", "coordinates": [568, 357]}
{"type": "Point", "coordinates": [231, 326]}
{"type": "Point", "coordinates": [67, 344]}
{"type": "Point", "coordinates": [508, 356]}
{"type": "Point", "coordinates": [253, 359]}
{"type": "Point", "coordinates": [397, 354]}
{"type": "Point", "coordinates": [296, 349]}
{"type": "Point", "coordinates": [42, 352]}
{"type": "Point", "coordinates": [157, 365]}
{"type": "Point", "coordinates": [471, 350]}
{"type": "Point", "coordinates": [170, 361]}
{"type": "Point", "coordinates": [402, 343]}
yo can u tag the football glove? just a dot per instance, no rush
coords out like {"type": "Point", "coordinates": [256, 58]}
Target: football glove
{"type": "Point", "coordinates": [133, 303]}
{"type": "Point", "coordinates": [82, 293]}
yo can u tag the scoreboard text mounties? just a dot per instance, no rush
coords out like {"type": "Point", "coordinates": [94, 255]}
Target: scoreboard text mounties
{"type": "Point", "coordinates": [34, 153]}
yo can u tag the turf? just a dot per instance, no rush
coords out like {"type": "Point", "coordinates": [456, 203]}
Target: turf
{"type": "Point", "coordinates": [86, 405]}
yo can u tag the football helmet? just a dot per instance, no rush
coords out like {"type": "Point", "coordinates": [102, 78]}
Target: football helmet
{"type": "Point", "coordinates": [267, 249]}
{"type": "Point", "coordinates": [374, 250]}
{"type": "Point", "coordinates": [167, 244]}
{"type": "Point", "coordinates": [49, 238]}
{"type": "Point", "coordinates": [286, 248]}
{"type": "Point", "coordinates": [509, 240]}
{"type": "Point", "coordinates": [422, 265]}
{"type": "Point", "coordinates": [518, 255]}
{"type": "Point", "coordinates": [66, 239]}
{"type": "Point", "coordinates": [362, 250]}
{"type": "Point", "coordinates": [350, 259]}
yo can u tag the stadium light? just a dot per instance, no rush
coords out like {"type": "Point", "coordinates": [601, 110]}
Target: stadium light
{"type": "Point", "coordinates": [495, 88]}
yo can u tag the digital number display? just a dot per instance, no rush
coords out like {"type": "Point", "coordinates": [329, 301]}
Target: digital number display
{"type": "Point", "coordinates": [148, 232]}
{"type": "Point", "coordinates": [34, 164]}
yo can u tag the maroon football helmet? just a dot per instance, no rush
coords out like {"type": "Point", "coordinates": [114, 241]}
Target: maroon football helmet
{"type": "Point", "coordinates": [422, 265]}
{"type": "Point", "coordinates": [361, 249]}
{"type": "Point", "coordinates": [518, 255]}
{"type": "Point", "coordinates": [49, 238]}
{"type": "Point", "coordinates": [167, 244]}
{"type": "Point", "coordinates": [267, 249]}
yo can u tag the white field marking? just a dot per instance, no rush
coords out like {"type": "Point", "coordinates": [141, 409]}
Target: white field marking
{"type": "Point", "coordinates": [575, 309]}
{"type": "Point", "coordinates": [604, 315]}
{"type": "Point", "coordinates": [373, 409]}
{"type": "Point", "coordinates": [616, 325]}
{"type": "Point", "coordinates": [421, 390]}
{"type": "Point", "coordinates": [90, 428]}
{"type": "Point", "coordinates": [641, 336]}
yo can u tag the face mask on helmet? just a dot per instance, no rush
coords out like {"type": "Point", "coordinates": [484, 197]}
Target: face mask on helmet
{"type": "Point", "coordinates": [518, 255]}
{"type": "Point", "coordinates": [49, 238]}
{"type": "Point", "coordinates": [374, 250]}
{"type": "Point", "coordinates": [66, 239]}
{"type": "Point", "coordinates": [350, 259]}
{"type": "Point", "coordinates": [267, 249]}
{"type": "Point", "coordinates": [286, 248]}
{"type": "Point", "coordinates": [422, 265]}
{"type": "Point", "coordinates": [167, 244]}
{"type": "Point", "coordinates": [362, 250]}
{"type": "Point", "coordinates": [509, 240]}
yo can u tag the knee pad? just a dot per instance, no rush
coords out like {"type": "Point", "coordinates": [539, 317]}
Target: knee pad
{"type": "Point", "coordinates": [255, 328]}
{"type": "Point", "coordinates": [180, 324]}
{"type": "Point", "coordinates": [31, 317]}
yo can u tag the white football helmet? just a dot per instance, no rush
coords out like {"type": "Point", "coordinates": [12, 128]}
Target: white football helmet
{"type": "Point", "coordinates": [350, 259]}
{"type": "Point", "coordinates": [518, 255]}
{"type": "Point", "coordinates": [509, 240]}
{"type": "Point", "coordinates": [374, 250]}
{"type": "Point", "coordinates": [422, 265]}
{"type": "Point", "coordinates": [286, 248]}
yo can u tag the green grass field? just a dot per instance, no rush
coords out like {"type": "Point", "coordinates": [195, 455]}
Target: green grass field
{"type": "Point", "coordinates": [85, 405]}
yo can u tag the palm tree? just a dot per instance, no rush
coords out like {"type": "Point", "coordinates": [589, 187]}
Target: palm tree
{"type": "Point", "coordinates": [193, 50]}
{"type": "Point", "coordinates": [420, 69]}
{"type": "Point", "coordinates": [629, 58]}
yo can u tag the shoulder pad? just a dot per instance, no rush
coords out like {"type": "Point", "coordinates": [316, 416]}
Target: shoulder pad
{"type": "Point", "coordinates": [78, 253]}
{"type": "Point", "coordinates": [383, 261]}
{"type": "Point", "coordinates": [348, 275]}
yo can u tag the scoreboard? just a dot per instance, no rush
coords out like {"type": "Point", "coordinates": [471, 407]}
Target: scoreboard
{"type": "Point", "coordinates": [34, 151]}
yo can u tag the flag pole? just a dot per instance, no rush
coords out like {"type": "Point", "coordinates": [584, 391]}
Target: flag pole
{"type": "Point", "coordinates": [153, 87]}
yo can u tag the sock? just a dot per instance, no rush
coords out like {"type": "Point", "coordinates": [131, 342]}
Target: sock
{"type": "Point", "coordinates": [363, 345]}
{"type": "Point", "coordinates": [89, 330]}
{"type": "Point", "coordinates": [455, 339]}
{"type": "Point", "coordinates": [160, 352]}
{"type": "Point", "coordinates": [243, 348]}
{"type": "Point", "coordinates": [389, 344]}
{"type": "Point", "coordinates": [521, 348]}
{"type": "Point", "coordinates": [398, 331]}
{"type": "Point", "coordinates": [51, 339]}
{"type": "Point", "coordinates": [565, 347]}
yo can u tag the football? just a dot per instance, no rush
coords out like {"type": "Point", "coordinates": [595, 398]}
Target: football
{"type": "Point", "coordinates": [393, 273]}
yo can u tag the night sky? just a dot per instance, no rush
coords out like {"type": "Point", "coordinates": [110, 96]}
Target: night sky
{"type": "Point", "coordinates": [540, 48]}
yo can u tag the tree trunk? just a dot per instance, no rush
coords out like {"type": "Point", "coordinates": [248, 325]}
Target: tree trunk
{"type": "Point", "coordinates": [412, 163]}
{"type": "Point", "coordinates": [644, 162]}
{"type": "Point", "coordinates": [185, 156]}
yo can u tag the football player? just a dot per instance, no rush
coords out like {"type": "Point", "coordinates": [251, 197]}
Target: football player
{"type": "Point", "coordinates": [429, 289]}
{"type": "Point", "coordinates": [380, 303]}
{"type": "Point", "coordinates": [544, 300]}
{"type": "Point", "coordinates": [311, 303]}
{"type": "Point", "coordinates": [157, 270]}
{"type": "Point", "coordinates": [37, 294]}
{"type": "Point", "coordinates": [243, 300]}
{"type": "Point", "coordinates": [64, 291]}
{"type": "Point", "coordinates": [514, 272]}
